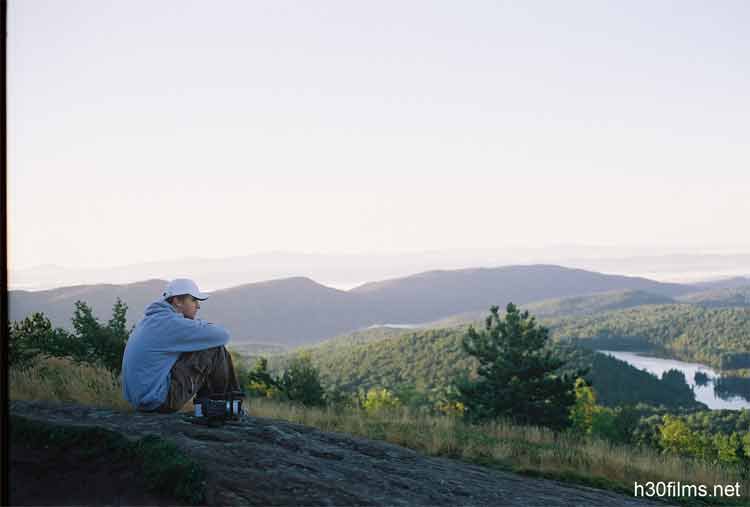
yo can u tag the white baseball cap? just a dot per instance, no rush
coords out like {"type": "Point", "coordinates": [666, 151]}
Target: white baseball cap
{"type": "Point", "coordinates": [182, 286]}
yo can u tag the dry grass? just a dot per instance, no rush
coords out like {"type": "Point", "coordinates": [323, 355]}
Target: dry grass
{"type": "Point", "coordinates": [58, 379]}
{"type": "Point", "coordinates": [522, 448]}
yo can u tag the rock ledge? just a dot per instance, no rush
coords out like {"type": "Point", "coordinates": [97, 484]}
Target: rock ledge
{"type": "Point", "coordinates": [272, 462]}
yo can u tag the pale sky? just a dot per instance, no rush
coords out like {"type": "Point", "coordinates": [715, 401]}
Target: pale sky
{"type": "Point", "coordinates": [149, 130]}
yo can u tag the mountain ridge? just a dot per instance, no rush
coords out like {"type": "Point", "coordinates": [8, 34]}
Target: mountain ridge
{"type": "Point", "coordinates": [295, 311]}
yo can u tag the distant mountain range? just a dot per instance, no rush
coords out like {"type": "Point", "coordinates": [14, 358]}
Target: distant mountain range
{"type": "Point", "coordinates": [296, 311]}
{"type": "Point", "coordinates": [736, 282]}
{"type": "Point", "coordinates": [57, 304]}
{"type": "Point", "coordinates": [345, 271]}
{"type": "Point", "coordinates": [427, 296]}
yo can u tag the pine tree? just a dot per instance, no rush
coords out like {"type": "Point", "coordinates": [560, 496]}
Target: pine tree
{"type": "Point", "coordinates": [516, 377]}
{"type": "Point", "coordinates": [98, 344]}
{"type": "Point", "coordinates": [31, 339]}
{"type": "Point", "coordinates": [301, 382]}
{"type": "Point", "coordinates": [91, 342]}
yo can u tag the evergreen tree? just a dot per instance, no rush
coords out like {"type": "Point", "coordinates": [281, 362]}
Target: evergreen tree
{"type": "Point", "coordinates": [301, 382]}
{"type": "Point", "coordinates": [516, 375]}
{"type": "Point", "coordinates": [31, 339]}
{"type": "Point", "coordinates": [95, 343]}
{"type": "Point", "coordinates": [91, 342]}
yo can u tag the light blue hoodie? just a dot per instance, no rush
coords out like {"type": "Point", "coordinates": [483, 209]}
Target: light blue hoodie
{"type": "Point", "coordinates": [154, 346]}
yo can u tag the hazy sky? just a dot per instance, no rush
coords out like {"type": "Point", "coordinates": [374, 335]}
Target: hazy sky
{"type": "Point", "coordinates": [147, 130]}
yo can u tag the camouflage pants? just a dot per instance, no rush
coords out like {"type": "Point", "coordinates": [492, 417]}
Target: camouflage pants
{"type": "Point", "coordinates": [201, 373]}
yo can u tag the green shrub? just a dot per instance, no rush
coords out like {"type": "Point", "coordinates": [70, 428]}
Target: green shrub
{"type": "Point", "coordinates": [377, 400]}
{"type": "Point", "coordinates": [258, 382]}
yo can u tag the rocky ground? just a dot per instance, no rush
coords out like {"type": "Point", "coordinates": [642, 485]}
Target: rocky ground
{"type": "Point", "coordinates": [272, 462]}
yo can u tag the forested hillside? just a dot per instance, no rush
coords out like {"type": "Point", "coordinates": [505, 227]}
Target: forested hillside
{"type": "Point", "coordinates": [596, 303]}
{"type": "Point", "coordinates": [719, 337]}
{"type": "Point", "coordinates": [568, 306]}
{"type": "Point", "coordinates": [423, 364]}
{"type": "Point", "coordinates": [720, 297]}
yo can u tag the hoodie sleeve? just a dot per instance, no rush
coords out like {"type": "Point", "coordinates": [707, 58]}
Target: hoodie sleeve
{"type": "Point", "coordinates": [178, 334]}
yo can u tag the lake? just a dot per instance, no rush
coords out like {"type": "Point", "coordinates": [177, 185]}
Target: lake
{"type": "Point", "coordinates": [717, 393]}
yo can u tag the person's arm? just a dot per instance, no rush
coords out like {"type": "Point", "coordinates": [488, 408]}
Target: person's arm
{"type": "Point", "coordinates": [179, 334]}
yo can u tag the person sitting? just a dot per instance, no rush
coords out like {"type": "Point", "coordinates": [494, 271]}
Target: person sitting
{"type": "Point", "coordinates": [171, 356]}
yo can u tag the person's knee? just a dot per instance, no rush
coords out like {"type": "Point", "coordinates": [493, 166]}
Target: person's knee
{"type": "Point", "coordinates": [224, 352]}
{"type": "Point", "coordinates": [210, 352]}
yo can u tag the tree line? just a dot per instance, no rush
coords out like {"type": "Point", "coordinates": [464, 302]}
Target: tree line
{"type": "Point", "coordinates": [91, 342]}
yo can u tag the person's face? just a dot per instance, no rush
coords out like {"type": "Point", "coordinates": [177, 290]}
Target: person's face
{"type": "Point", "coordinates": [186, 305]}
